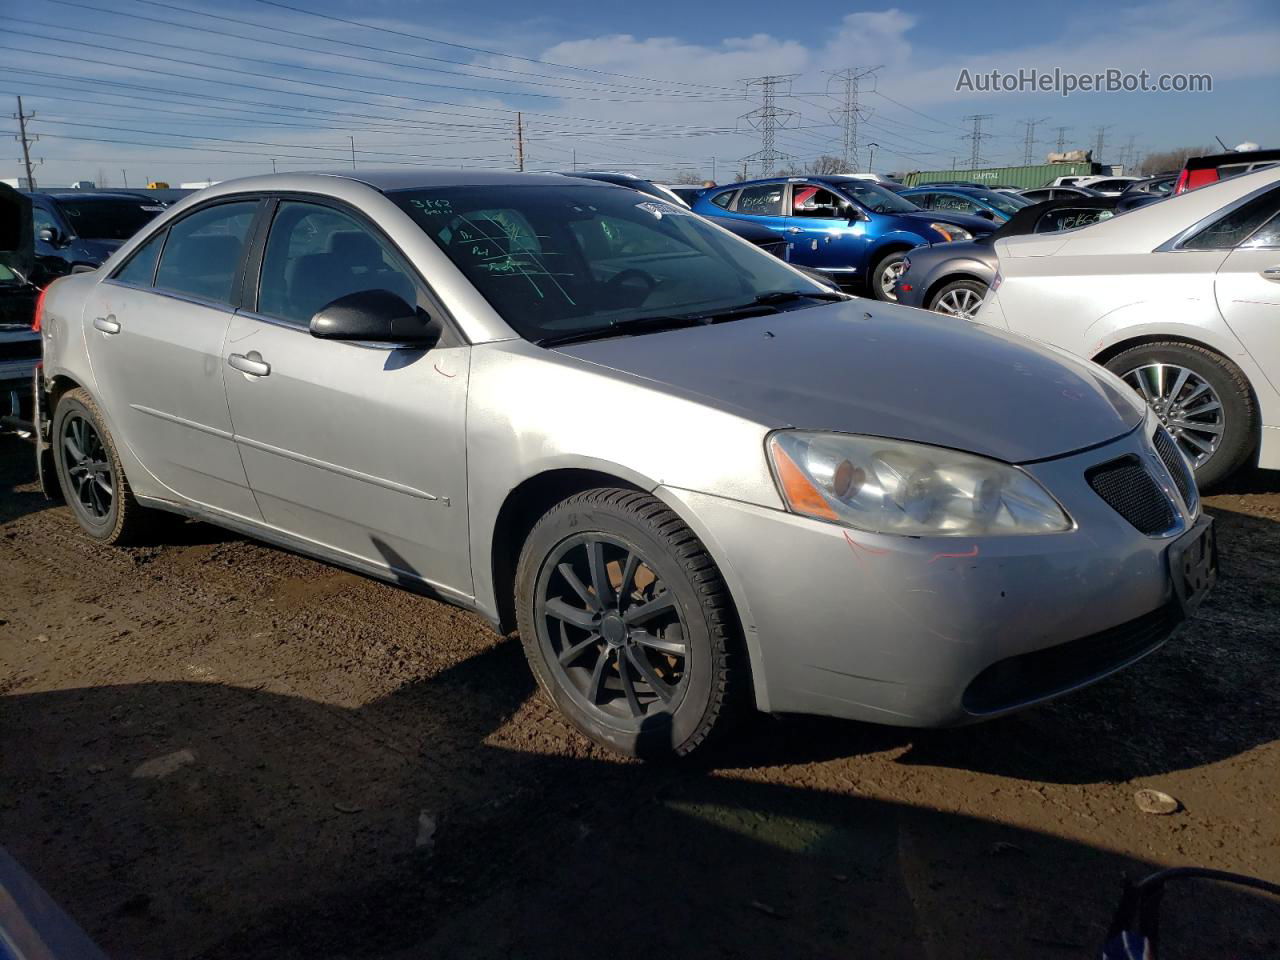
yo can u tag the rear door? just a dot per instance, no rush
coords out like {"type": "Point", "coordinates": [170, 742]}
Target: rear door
{"type": "Point", "coordinates": [155, 330]}
{"type": "Point", "coordinates": [1248, 291]}
{"type": "Point", "coordinates": [357, 447]}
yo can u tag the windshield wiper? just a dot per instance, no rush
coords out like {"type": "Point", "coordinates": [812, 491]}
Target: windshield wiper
{"type": "Point", "coordinates": [786, 296]}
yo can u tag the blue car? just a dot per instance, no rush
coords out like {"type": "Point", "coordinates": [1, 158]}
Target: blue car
{"type": "Point", "coordinates": [975, 201]}
{"type": "Point", "coordinates": [852, 229]}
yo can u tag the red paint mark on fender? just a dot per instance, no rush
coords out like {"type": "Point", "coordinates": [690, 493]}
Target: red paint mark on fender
{"type": "Point", "coordinates": [956, 556]}
{"type": "Point", "coordinates": [442, 373]}
{"type": "Point", "coordinates": [855, 546]}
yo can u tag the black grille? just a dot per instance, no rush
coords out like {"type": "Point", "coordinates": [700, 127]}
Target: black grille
{"type": "Point", "coordinates": [20, 349]}
{"type": "Point", "coordinates": [1132, 492]}
{"type": "Point", "coordinates": [1167, 447]}
{"type": "Point", "coordinates": [1043, 673]}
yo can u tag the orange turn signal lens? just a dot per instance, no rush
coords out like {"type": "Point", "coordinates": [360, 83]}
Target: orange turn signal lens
{"type": "Point", "coordinates": [800, 493]}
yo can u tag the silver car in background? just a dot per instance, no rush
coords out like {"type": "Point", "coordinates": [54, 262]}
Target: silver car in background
{"type": "Point", "coordinates": [694, 479]}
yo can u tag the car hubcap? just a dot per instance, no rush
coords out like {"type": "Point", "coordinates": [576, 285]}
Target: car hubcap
{"type": "Point", "coordinates": [961, 302]}
{"type": "Point", "coordinates": [611, 630]}
{"type": "Point", "coordinates": [889, 276]}
{"type": "Point", "coordinates": [1185, 403]}
{"type": "Point", "coordinates": [85, 459]}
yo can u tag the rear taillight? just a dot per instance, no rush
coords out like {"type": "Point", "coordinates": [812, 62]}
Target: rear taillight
{"type": "Point", "coordinates": [35, 324]}
{"type": "Point", "coordinates": [996, 281]}
{"type": "Point", "coordinates": [1181, 185]}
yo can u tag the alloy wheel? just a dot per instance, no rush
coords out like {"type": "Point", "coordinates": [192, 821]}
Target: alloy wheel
{"type": "Point", "coordinates": [611, 629]}
{"type": "Point", "coordinates": [1185, 403]}
{"type": "Point", "coordinates": [960, 302]}
{"type": "Point", "coordinates": [85, 457]}
{"type": "Point", "coordinates": [889, 276]}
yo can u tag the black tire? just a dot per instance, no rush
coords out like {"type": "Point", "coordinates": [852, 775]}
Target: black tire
{"type": "Point", "coordinates": [708, 680]}
{"type": "Point", "coordinates": [124, 520]}
{"type": "Point", "coordinates": [877, 290]}
{"type": "Point", "coordinates": [1239, 411]}
{"type": "Point", "coordinates": [954, 292]}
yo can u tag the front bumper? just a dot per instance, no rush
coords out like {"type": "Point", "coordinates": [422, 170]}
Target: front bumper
{"type": "Point", "coordinates": [909, 631]}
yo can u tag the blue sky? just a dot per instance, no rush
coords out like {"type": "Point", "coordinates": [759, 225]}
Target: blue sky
{"type": "Point", "coordinates": [184, 89]}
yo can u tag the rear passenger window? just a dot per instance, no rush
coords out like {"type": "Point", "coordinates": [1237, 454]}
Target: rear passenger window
{"type": "Point", "coordinates": [763, 201]}
{"type": "Point", "coordinates": [315, 255]}
{"type": "Point", "coordinates": [724, 199]}
{"type": "Point", "coordinates": [203, 251]}
{"type": "Point", "coordinates": [1236, 226]}
{"type": "Point", "coordinates": [141, 267]}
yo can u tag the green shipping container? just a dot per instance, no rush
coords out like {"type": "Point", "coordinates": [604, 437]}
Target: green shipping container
{"type": "Point", "coordinates": [1022, 177]}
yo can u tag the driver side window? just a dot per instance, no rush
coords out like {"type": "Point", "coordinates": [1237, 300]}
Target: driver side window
{"type": "Point", "coordinates": [808, 200]}
{"type": "Point", "coordinates": [43, 218]}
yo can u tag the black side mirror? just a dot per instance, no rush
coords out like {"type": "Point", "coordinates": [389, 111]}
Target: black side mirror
{"type": "Point", "coordinates": [375, 316]}
{"type": "Point", "coordinates": [986, 214]}
{"type": "Point", "coordinates": [854, 214]}
{"type": "Point", "coordinates": [50, 235]}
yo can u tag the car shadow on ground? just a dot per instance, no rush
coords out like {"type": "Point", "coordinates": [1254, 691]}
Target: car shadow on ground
{"type": "Point", "coordinates": [205, 820]}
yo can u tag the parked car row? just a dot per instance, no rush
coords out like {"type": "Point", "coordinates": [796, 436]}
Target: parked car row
{"type": "Point", "coordinates": [590, 414]}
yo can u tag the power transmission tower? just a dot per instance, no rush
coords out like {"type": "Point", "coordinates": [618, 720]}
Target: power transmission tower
{"type": "Point", "coordinates": [22, 119]}
{"type": "Point", "coordinates": [848, 114]}
{"type": "Point", "coordinates": [976, 138]}
{"type": "Point", "coordinates": [1100, 142]}
{"type": "Point", "coordinates": [520, 142]}
{"type": "Point", "coordinates": [1029, 141]}
{"type": "Point", "coordinates": [1062, 138]}
{"type": "Point", "coordinates": [767, 118]}
{"type": "Point", "coordinates": [1126, 153]}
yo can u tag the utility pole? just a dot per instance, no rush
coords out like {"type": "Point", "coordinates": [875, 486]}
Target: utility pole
{"type": "Point", "coordinates": [848, 114]}
{"type": "Point", "coordinates": [353, 151]}
{"type": "Point", "coordinates": [1062, 138]}
{"type": "Point", "coordinates": [976, 138]}
{"type": "Point", "coordinates": [22, 119]}
{"type": "Point", "coordinates": [273, 164]}
{"type": "Point", "coordinates": [767, 118]}
{"type": "Point", "coordinates": [871, 161]}
{"type": "Point", "coordinates": [520, 141]}
{"type": "Point", "coordinates": [1101, 132]}
{"type": "Point", "coordinates": [125, 177]}
{"type": "Point", "coordinates": [1029, 141]}
{"type": "Point", "coordinates": [713, 168]}
{"type": "Point", "coordinates": [575, 159]}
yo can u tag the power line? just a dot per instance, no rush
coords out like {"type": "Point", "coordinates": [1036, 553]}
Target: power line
{"type": "Point", "coordinates": [976, 138]}
{"type": "Point", "coordinates": [848, 114]}
{"type": "Point", "coordinates": [1029, 141]}
{"type": "Point", "coordinates": [767, 118]}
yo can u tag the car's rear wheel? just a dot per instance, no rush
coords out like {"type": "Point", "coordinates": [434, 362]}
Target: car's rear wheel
{"type": "Point", "coordinates": [90, 474]}
{"type": "Point", "coordinates": [885, 275]}
{"type": "Point", "coordinates": [628, 625]}
{"type": "Point", "coordinates": [1201, 397]}
{"type": "Point", "coordinates": [960, 298]}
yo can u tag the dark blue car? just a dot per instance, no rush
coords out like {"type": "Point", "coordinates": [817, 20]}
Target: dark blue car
{"type": "Point", "coordinates": [978, 201]}
{"type": "Point", "coordinates": [852, 229]}
{"type": "Point", "coordinates": [76, 228]}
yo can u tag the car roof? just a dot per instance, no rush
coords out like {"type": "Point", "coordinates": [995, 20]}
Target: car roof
{"type": "Point", "coordinates": [934, 187]}
{"type": "Point", "coordinates": [86, 195]}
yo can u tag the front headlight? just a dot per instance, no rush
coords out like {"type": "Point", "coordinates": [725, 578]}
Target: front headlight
{"type": "Point", "coordinates": [893, 486]}
{"type": "Point", "coordinates": [952, 232]}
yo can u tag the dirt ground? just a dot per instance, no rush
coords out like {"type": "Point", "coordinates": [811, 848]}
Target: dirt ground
{"type": "Point", "coordinates": [210, 748]}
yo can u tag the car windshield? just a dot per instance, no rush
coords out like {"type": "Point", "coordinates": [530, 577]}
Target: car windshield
{"type": "Point", "coordinates": [556, 261]}
{"type": "Point", "coordinates": [104, 219]}
{"type": "Point", "coordinates": [1003, 202]}
{"type": "Point", "coordinates": [876, 198]}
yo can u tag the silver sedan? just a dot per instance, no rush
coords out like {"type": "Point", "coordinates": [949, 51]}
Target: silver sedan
{"type": "Point", "coordinates": [695, 480]}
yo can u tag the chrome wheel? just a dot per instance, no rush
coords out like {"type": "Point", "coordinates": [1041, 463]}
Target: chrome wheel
{"type": "Point", "coordinates": [960, 302]}
{"type": "Point", "coordinates": [1186, 405]}
{"type": "Point", "coordinates": [611, 630]}
{"type": "Point", "coordinates": [85, 458]}
{"type": "Point", "coordinates": [889, 276]}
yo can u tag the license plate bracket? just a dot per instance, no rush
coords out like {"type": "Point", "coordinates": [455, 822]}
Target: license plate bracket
{"type": "Point", "coordinates": [1193, 564]}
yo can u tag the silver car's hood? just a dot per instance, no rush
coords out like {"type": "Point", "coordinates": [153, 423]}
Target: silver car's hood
{"type": "Point", "coordinates": [865, 367]}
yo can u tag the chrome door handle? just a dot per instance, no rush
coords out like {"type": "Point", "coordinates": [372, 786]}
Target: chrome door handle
{"type": "Point", "coordinates": [107, 324]}
{"type": "Point", "coordinates": [793, 230]}
{"type": "Point", "coordinates": [253, 364]}
{"type": "Point", "coordinates": [1272, 274]}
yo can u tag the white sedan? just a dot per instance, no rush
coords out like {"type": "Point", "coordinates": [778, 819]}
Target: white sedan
{"type": "Point", "coordinates": [1180, 298]}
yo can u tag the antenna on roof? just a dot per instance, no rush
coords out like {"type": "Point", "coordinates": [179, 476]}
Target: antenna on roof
{"type": "Point", "coordinates": [1223, 145]}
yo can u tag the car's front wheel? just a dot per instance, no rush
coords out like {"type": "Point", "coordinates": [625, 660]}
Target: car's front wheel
{"type": "Point", "coordinates": [90, 474]}
{"type": "Point", "coordinates": [628, 625]}
{"type": "Point", "coordinates": [1201, 397]}
{"type": "Point", "coordinates": [884, 275]}
{"type": "Point", "coordinates": [960, 298]}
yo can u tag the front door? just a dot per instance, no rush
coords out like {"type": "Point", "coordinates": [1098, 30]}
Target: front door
{"type": "Point", "coordinates": [822, 235]}
{"type": "Point", "coordinates": [154, 334]}
{"type": "Point", "coordinates": [358, 448]}
{"type": "Point", "coordinates": [1248, 291]}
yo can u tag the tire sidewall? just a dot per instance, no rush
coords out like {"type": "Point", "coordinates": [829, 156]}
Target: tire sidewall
{"type": "Point", "coordinates": [1237, 437]}
{"type": "Point", "coordinates": [661, 734]}
{"type": "Point", "coordinates": [98, 529]}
